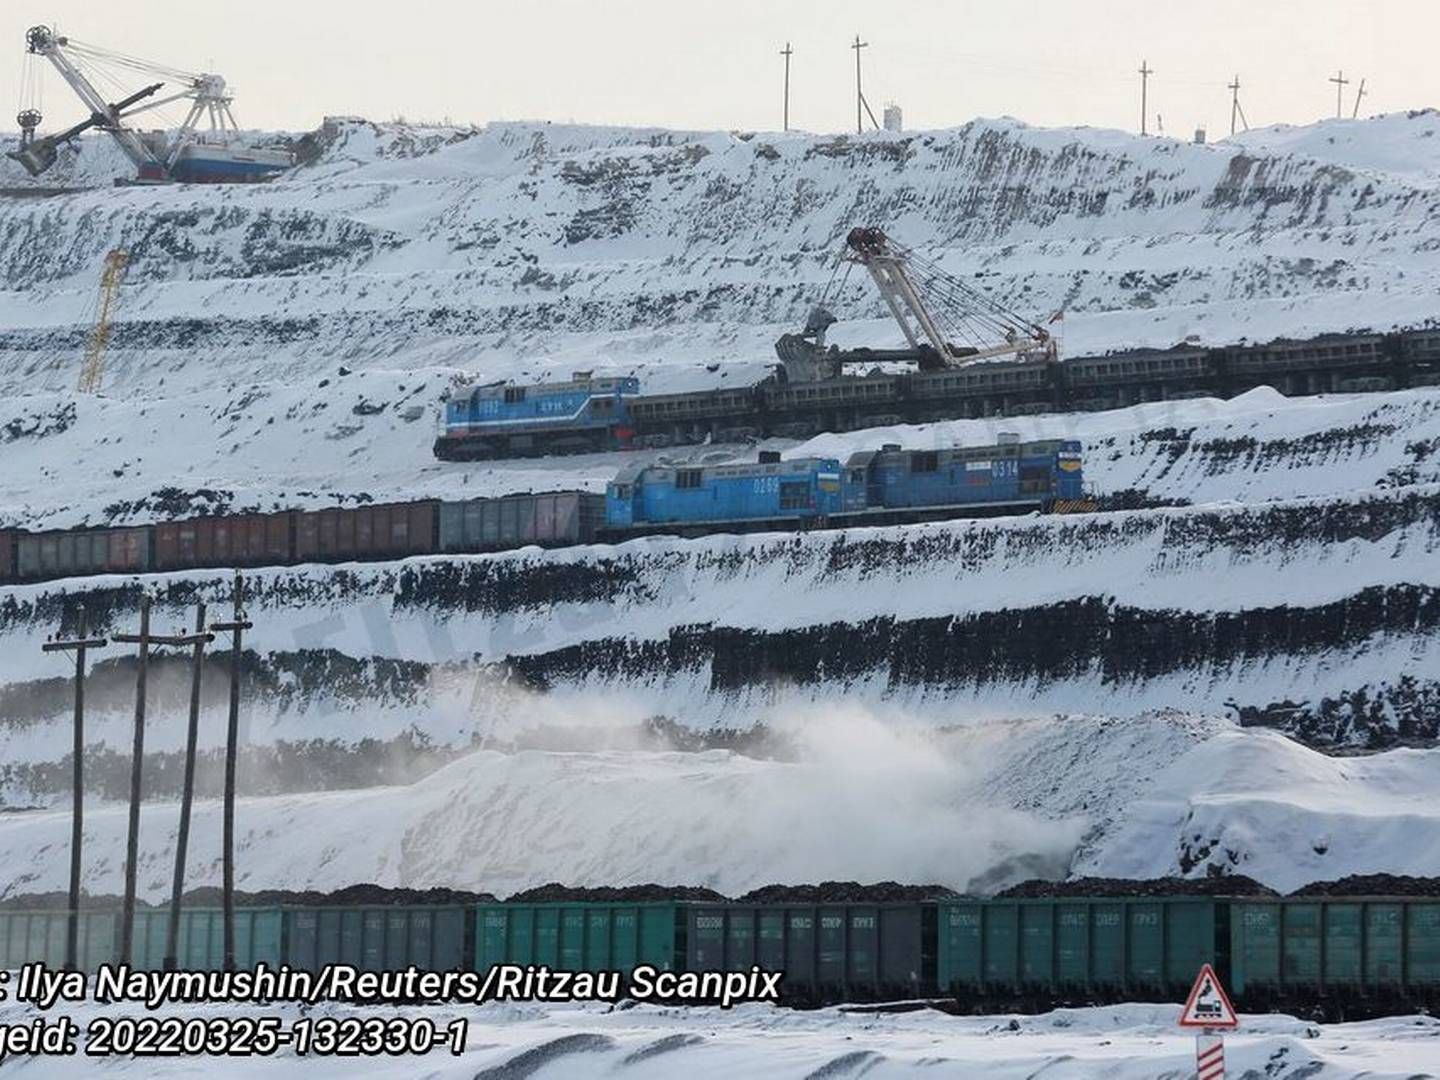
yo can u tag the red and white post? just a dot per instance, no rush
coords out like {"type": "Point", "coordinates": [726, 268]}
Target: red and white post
{"type": "Point", "coordinates": [1210, 1056]}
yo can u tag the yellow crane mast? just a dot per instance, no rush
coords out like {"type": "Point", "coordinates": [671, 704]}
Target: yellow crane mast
{"type": "Point", "coordinates": [92, 373]}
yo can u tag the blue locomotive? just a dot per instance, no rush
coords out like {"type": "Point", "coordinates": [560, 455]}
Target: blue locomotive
{"type": "Point", "coordinates": [1008, 476]}
{"type": "Point", "coordinates": [798, 492]}
{"type": "Point", "coordinates": [504, 420]}
{"type": "Point", "coordinates": [873, 487]}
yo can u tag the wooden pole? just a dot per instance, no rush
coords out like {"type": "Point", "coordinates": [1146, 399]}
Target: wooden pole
{"type": "Point", "coordinates": [132, 840]}
{"type": "Point", "coordinates": [859, 93]}
{"type": "Point", "coordinates": [237, 626]}
{"type": "Point", "coordinates": [1145, 72]}
{"type": "Point", "coordinates": [787, 52]}
{"type": "Point", "coordinates": [182, 840]}
{"type": "Point", "coordinates": [79, 645]}
{"type": "Point", "coordinates": [137, 760]}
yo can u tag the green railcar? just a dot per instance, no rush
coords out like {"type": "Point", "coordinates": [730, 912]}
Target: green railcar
{"type": "Point", "coordinates": [832, 952]}
{"type": "Point", "coordinates": [27, 936]}
{"type": "Point", "coordinates": [1091, 948]}
{"type": "Point", "coordinates": [1340, 946]}
{"type": "Point", "coordinates": [581, 936]}
{"type": "Point", "coordinates": [30, 936]}
{"type": "Point", "coordinates": [378, 938]}
{"type": "Point", "coordinates": [200, 943]}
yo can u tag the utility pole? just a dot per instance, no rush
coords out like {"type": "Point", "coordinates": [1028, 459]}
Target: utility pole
{"type": "Point", "coordinates": [79, 645]}
{"type": "Point", "coordinates": [237, 626]}
{"type": "Point", "coordinates": [787, 52]}
{"type": "Point", "coordinates": [1145, 72]}
{"type": "Point", "coordinates": [1340, 83]}
{"type": "Point", "coordinates": [860, 102]}
{"type": "Point", "coordinates": [859, 94]}
{"type": "Point", "coordinates": [132, 839]}
{"type": "Point", "coordinates": [1359, 93]}
{"type": "Point", "coordinates": [1236, 109]}
{"type": "Point", "coordinates": [137, 754]}
{"type": "Point", "coordinates": [198, 641]}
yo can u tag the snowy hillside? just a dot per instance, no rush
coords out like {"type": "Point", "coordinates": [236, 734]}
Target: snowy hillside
{"type": "Point", "coordinates": [1145, 692]}
{"type": "Point", "coordinates": [531, 248]}
{"type": "Point", "coordinates": [977, 807]}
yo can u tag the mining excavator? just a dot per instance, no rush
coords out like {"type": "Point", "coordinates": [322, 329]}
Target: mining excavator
{"type": "Point", "coordinates": [947, 322]}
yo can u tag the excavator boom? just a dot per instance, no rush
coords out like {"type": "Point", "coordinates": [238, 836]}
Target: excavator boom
{"type": "Point", "coordinates": [947, 323]}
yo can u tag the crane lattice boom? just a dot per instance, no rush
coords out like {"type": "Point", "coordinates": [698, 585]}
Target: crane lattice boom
{"type": "Point", "coordinates": [92, 372]}
{"type": "Point", "coordinates": [955, 309]}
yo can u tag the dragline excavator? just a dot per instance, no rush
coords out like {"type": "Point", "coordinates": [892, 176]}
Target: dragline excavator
{"type": "Point", "coordinates": [933, 308]}
{"type": "Point", "coordinates": [216, 156]}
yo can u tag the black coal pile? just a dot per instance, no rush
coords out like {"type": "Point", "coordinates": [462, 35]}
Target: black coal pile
{"type": "Point", "coordinates": [210, 896]}
{"type": "Point", "coordinates": [554, 892]}
{"type": "Point", "coordinates": [362, 895]}
{"type": "Point", "coordinates": [51, 901]}
{"type": "Point", "coordinates": [846, 892]}
{"type": "Point", "coordinates": [1373, 885]}
{"type": "Point", "coordinates": [1224, 885]}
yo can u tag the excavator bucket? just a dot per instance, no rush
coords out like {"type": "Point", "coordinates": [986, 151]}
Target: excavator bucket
{"type": "Point", "coordinates": [37, 157]}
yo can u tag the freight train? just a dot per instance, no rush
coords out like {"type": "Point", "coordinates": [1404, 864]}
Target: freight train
{"type": "Point", "coordinates": [1323, 957]}
{"type": "Point", "coordinates": [589, 413]}
{"type": "Point", "coordinates": [887, 486]}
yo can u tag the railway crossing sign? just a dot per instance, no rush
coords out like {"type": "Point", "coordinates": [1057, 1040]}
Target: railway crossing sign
{"type": "Point", "coordinates": [1208, 1006]}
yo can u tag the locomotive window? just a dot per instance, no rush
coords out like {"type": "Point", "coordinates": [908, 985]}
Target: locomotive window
{"type": "Point", "coordinates": [794, 495]}
{"type": "Point", "coordinates": [687, 478]}
{"type": "Point", "coordinates": [601, 405]}
{"type": "Point", "coordinates": [857, 476]}
{"type": "Point", "coordinates": [1034, 478]}
{"type": "Point", "coordinates": [925, 461]}
{"type": "Point", "coordinates": [514, 394]}
{"type": "Point", "coordinates": [622, 491]}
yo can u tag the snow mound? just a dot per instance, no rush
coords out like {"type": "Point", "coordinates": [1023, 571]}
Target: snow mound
{"type": "Point", "coordinates": [1255, 802]}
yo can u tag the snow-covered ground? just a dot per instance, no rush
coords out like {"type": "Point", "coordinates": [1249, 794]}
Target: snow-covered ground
{"type": "Point", "coordinates": [862, 796]}
{"type": "Point", "coordinates": [513, 1041]}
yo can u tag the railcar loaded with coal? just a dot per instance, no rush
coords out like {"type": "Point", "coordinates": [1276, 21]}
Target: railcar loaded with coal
{"type": "Point", "coordinates": [1331, 957]}
{"type": "Point", "coordinates": [1002, 365]}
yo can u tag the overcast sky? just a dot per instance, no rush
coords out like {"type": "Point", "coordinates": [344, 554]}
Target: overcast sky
{"type": "Point", "coordinates": [684, 63]}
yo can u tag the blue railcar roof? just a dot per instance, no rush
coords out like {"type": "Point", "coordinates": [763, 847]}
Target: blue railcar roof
{"type": "Point", "coordinates": [637, 474]}
{"type": "Point", "coordinates": [864, 458]}
{"type": "Point", "coordinates": [603, 385]}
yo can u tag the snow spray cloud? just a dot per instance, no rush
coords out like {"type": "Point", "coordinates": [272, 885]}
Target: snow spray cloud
{"type": "Point", "coordinates": [873, 796]}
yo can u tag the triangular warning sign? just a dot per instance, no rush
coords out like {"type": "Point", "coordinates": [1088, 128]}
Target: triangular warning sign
{"type": "Point", "coordinates": [1208, 1006]}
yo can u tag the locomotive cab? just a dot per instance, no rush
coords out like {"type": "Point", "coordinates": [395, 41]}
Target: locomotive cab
{"type": "Point", "coordinates": [1069, 482]}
